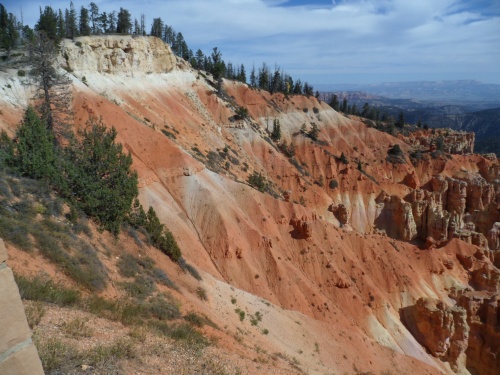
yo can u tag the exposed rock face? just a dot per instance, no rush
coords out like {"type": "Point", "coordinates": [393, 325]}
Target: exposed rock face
{"type": "Point", "coordinates": [457, 192]}
{"type": "Point", "coordinates": [341, 212]}
{"type": "Point", "coordinates": [302, 228]}
{"type": "Point", "coordinates": [442, 330]}
{"type": "Point", "coordinates": [118, 54]}
{"type": "Point", "coordinates": [18, 355]}
{"type": "Point", "coordinates": [452, 208]}
{"type": "Point", "coordinates": [453, 142]}
{"type": "Point", "coordinates": [471, 327]}
{"type": "Point", "coordinates": [494, 237]}
{"type": "Point", "coordinates": [479, 194]}
{"type": "Point", "coordinates": [459, 143]}
{"type": "Point", "coordinates": [396, 217]}
{"type": "Point", "coordinates": [483, 318]}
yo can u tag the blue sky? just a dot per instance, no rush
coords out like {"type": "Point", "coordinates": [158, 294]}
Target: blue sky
{"type": "Point", "coordinates": [325, 41]}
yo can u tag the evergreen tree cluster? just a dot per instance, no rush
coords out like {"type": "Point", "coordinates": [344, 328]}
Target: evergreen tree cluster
{"type": "Point", "coordinates": [9, 29]}
{"type": "Point", "coordinates": [92, 172]}
{"type": "Point", "coordinates": [278, 81]}
{"type": "Point", "coordinates": [369, 112]}
{"type": "Point", "coordinates": [160, 237]}
{"type": "Point", "coordinates": [72, 23]}
{"type": "Point", "coordinates": [366, 111]}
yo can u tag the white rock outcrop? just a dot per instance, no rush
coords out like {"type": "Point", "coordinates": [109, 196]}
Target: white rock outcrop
{"type": "Point", "coordinates": [117, 54]}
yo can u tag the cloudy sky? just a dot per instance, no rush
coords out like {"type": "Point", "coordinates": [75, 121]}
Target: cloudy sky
{"type": "Point", "coordinates": [325, 41]}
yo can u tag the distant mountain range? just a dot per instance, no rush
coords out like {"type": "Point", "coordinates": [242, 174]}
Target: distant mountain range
{"type": "Point", "coordinates": [461, 105]}
{"type": "Point", "coordinates": [462, 91]}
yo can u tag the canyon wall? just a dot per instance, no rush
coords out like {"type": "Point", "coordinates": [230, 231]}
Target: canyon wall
{"type": "Point", "coordinates": [348, 241]}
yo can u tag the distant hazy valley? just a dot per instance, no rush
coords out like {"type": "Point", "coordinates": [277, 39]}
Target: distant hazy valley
{"type": "Point", "coordinates": [460, 105]}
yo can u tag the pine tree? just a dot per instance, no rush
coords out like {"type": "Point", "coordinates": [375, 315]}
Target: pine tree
{"type": "Point", "coordinates": [94, 17]}
{"type": "Point", "coordinates": [61, 26]}
{"type": "Point", "coordinates": [344, 105]}
{"type": "Point", "coordinates": [182, 48]}
{"type": "Point", "coordinates": [72, 22]}
{"type": "Point", "coordinates": [199, 57]}
{"type": "Point", "coordinates": [51, 85]}
{"type": "Point", "coordinates": [365, 110]}
{"type": "Point", "coordinates": [253, 78]}
{"type": "Point", "coordinates": [111, 22]}
{"type": "Point", "coordinates": [47, 23]}
{"type": "Point", "coordinates": [84, 22]}
{"type": "Point", "coordinates": [103, 22]}
{"type": "Point", "coordinates": [137, 27]}
{"type": "Point", "coordinates": [99, 177]}
{"type": "Point", "coordinates": [143, 24]}
{"type": "Point", "coordinates": [354, 109]}
{"type": "Point", "coordinates": [297, 88]}
{"type": "Point", "coordinates": [242, 76]}
{"type": "Point", "coordinates": [170, 36]}
{"type": "Point", "coordinates": [343, 159]}
{"type": "Point", "coordinates": [334, 102]}
{"type": "Point", "coordinates": [313, 134]}
{"type": "Point", "coordinates": [35, 147]}
{"type": "Point", "coordinates": [124, 22]}
{"type": "Point", "coordinates": [9, 34]}
{"type": "Point", "coordinates": [276, 133]}
{"type": "Point", "coordinates": [264, 77]}
{"type": "Point", "coordinates": [401, 120]}
{"type": "Point", "coordinates": [157, 27]}
{"type": "Point", "coordinates": [219, 67]}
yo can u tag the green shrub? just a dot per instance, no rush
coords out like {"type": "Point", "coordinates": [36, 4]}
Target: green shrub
{"type": "Point", "coordinates": [185, 332]}
{"type": "Point", "coordinates": [201, 293]}
{"type": "Point", "coordinates": [161, 237]}
{"type": "Point", "coordinates": [333, 184]}
{"type": "Point", "coordinates": [195, 319]}
{"type": "Point", "coordinates": [40, 288]}
{"type": "Point", "coordinates": [141, 287]}
{"type": "Point", "coordinates": [169, 134]}
{"type": "Point", "coordinates": [395, 150]}
{"type": "Point", "coordinates": [163, 309]}
{"type": "Point", "coordinates": [189, 268]}
{"type": "Point", "coordinates": [54, 353]}
{"type": "Point", "coordinates": [34, 313]}
{"type": "Point", "coordinates": [242, 113]}
{"type": "Point", "coordinates": [128, 266]}
{"type": "Point", "coordinates": [163, 278]}
{"type": "Point", "coordinates": [16, 232]}
{"type": "Point", "coordinates": [110, 353]}
{"type": "Point", "coordinates": [258, 181]}
{"type": "Point", "coordinates": [83, 265]}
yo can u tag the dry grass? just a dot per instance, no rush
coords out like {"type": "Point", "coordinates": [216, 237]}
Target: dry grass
{"type": "Point", "coordinates": [77, 328]}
